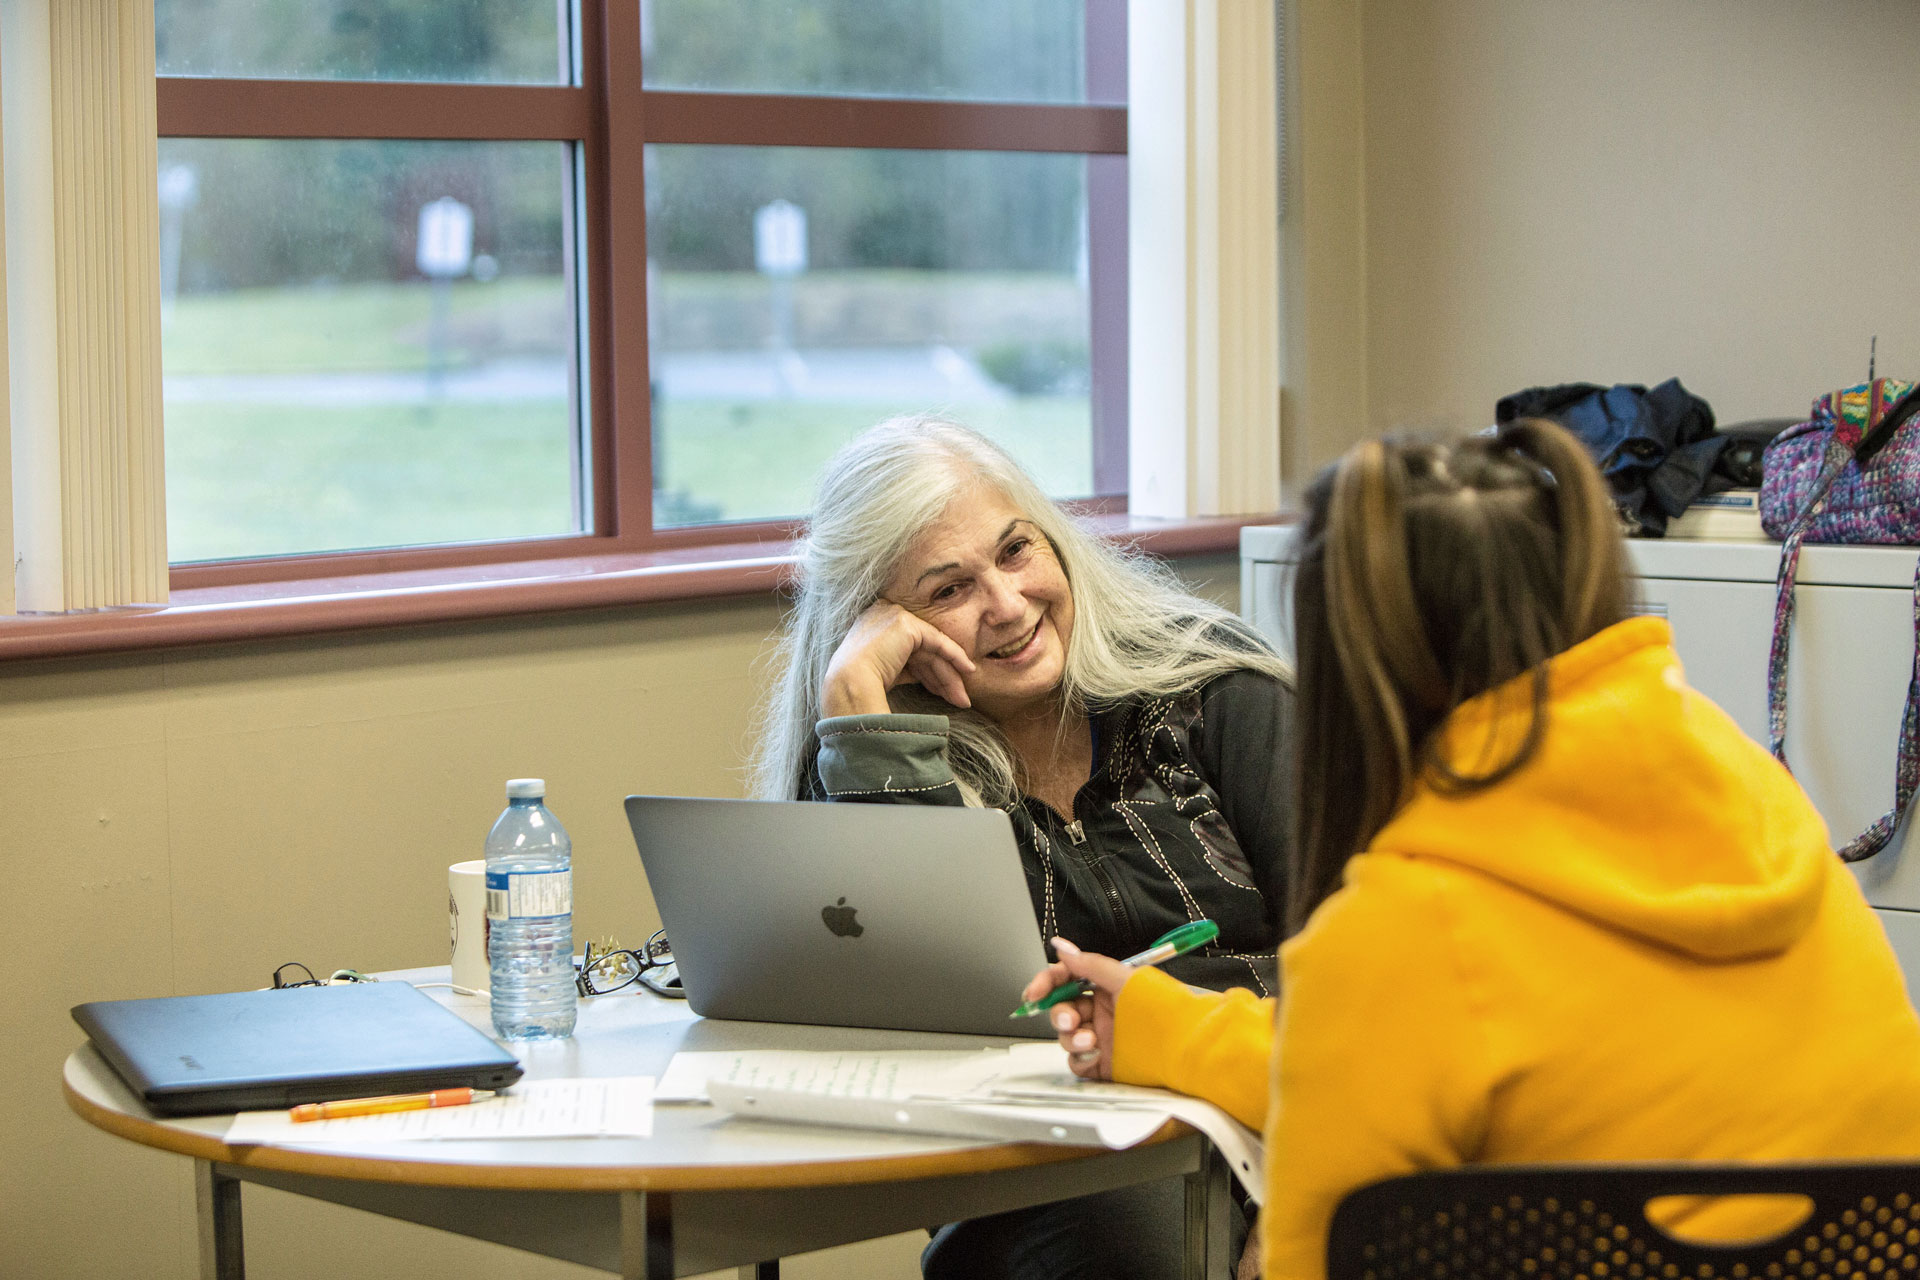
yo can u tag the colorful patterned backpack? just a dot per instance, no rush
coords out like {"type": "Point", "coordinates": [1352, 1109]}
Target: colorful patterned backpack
{"type": "Point", "coordinates": [1850, 474]}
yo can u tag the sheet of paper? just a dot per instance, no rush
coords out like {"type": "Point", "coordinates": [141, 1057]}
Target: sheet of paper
{"type": "Point", "coordinates": [1030, 1073]}
{"type": "Point", "coordinates": [957, 1117]}
{"type": "Point", "coordinates": [1039, 1072]}
{"type": "Point", "coordinates": [842, 1075]}
{"type": "Point", "coordinates": [614, 1106]}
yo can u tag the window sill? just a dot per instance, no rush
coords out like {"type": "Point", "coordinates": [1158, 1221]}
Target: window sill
{"type": "Point", "coordinates": [311, 606]}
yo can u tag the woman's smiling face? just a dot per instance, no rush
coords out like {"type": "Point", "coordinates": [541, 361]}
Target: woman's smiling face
{"type": "Point", "coordinates": [989, 580]}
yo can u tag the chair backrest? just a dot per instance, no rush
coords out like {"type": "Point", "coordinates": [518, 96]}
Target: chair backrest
{"type": "Point", "coordinates": [1535, 1222]}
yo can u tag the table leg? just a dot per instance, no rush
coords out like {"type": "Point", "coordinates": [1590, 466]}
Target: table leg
{"type": "Point", "coordinates": [222, 1256]}
{"type": "Point", "coordinates": [646, 1235]}
{"type": "Point", "coordinates": [1209, 1203]}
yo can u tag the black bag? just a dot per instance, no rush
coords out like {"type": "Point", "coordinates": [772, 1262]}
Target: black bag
{"type": "Point", "coordinates": [1657, 449]}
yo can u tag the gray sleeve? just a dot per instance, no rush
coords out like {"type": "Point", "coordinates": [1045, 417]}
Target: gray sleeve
{"type": "Point", "coordinates": [886, 759]}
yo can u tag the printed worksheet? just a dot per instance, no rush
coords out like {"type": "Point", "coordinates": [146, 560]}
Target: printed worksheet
{"type": "Point", "coordinates": [837, 1075]}
{"type": "Point", "coordinates": [782, 1082]}
{"type": "Point", "coordinates": [614, 1106]}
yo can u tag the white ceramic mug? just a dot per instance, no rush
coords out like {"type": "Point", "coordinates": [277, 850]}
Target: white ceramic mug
{"type": "Point", "coordinates": [467, 922]}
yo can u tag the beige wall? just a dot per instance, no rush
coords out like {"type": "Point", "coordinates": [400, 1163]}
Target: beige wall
{"type": "Point", "coordinates": [1323, 252]}
{"type": "Point", "coordinates": [1486, 195]}
{"type": "Point", "coordinates": [187, 821]}
{"type": "Point", "coordinates": [1627, 190]}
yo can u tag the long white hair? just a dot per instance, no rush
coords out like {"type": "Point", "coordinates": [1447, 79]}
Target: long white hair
{"type": "Point", "coordinates": [1136, 632]}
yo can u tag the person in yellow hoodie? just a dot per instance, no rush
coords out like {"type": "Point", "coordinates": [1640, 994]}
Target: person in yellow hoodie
{"type": "Point", "coordinates": [1550, 903]}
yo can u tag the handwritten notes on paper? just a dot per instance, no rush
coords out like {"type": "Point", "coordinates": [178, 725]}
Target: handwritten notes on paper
{"type": "Point", "coordinates": [619, 1106]}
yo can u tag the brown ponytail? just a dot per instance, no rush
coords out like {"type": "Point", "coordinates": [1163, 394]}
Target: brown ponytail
{"type": "Point", "coordinates": [1428, 575]}
{"type": "Point", "coordinates": [1593, 558]}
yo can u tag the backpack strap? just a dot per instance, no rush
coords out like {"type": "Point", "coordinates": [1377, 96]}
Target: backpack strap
{"type": "Point", "coordinates": [1906, 770]}
{"type": "Point", "coordinates": [1907, 765]}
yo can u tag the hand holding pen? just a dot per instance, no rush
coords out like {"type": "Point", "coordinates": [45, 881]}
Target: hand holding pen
{"type": "Point", "coordinates": [1079, 989]}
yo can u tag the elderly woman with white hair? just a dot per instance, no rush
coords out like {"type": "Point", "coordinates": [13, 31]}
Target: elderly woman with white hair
{"type": "Point", "coordinates": [957, 639]}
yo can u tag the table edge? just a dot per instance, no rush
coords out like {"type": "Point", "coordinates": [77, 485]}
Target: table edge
{"type": "Point", "coordinates": [984, 1158]}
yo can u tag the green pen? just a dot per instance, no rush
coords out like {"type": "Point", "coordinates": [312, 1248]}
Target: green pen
{"type": "Point", "coordinates": [1174, 942]}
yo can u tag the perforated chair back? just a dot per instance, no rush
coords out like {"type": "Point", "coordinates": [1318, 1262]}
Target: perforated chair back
{"type": "Point", "coordinates": [1545, 1222]}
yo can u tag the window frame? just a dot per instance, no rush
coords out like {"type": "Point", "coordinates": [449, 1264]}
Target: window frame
{"type": "Point", "coordinates": [611, 116]}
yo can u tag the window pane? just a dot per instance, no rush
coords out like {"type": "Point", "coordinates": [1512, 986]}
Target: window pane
{"type": "Point", "coordinates": [992, 50]}
{"type": "Point", "coordinates": [944, 281]}
{"type": "Point", "coordinates": [501, 41]}
{"type": "Point", "coordinates": [323, 391]}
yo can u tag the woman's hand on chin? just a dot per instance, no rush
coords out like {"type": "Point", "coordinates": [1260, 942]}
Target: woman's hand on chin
{"type": "Point", "coordinates": [886, 647]}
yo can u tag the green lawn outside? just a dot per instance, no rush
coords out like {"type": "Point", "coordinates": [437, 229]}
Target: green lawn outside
{"type": "Point", "coordinates": [254, 479]}
{"type": "Point", "coordinates": [360, 327]}
{"type": "Point", "coordinates": [250, 480]}
{"type": "Point", "coordinates": [383, 326]}
{"type": "Point", "coordinates": [759, 459]}
{"type": "Point", "coordinates": [247, 480]}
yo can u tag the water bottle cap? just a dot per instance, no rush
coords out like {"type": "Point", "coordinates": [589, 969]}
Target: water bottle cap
{"type": "Point", "coordinates": [527, 789]}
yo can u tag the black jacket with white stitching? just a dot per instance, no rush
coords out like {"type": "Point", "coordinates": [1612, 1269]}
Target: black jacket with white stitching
{"type": "Point", "coordinates": [1184, 817]}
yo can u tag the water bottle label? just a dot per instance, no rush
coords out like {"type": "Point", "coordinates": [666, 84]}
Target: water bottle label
{"type": "Point", "coordinates": [522, 895]}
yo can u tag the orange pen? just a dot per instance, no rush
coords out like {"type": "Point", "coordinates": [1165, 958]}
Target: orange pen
{"type": "Point", "coordinates": [393, 1102]}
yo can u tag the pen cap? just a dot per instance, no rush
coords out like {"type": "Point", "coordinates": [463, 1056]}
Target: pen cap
{"type": "Point", "coordinates": [1195, 933]}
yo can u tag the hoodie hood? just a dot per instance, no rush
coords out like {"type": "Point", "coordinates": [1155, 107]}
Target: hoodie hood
{"type": "Point", "coordinates": [1641, 809]}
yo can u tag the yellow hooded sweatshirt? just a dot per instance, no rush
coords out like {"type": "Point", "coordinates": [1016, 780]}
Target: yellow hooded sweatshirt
{"type": "Point", "coordinates": [1640, 946]}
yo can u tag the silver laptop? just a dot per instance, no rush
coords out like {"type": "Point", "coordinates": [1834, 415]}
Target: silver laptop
{"type": "Point", "coordinates": [907, 917]}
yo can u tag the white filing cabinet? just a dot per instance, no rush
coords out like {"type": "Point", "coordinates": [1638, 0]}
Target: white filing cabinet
{"type": "Point", "coordinates": [1846, 685]}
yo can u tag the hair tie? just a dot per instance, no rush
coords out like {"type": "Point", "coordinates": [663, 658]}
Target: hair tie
{"type": "Point", "coordinates": [1542, 474]}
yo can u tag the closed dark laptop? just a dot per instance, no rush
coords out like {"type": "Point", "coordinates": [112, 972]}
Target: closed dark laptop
{"type": "Point", "coordinates": [908, 917]}
{"type": "Point", "coordinates": [259, 1050]}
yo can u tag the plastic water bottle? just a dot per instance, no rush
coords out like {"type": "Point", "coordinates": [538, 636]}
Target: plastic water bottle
{"type": "Point", "coordinates": [530, 918]}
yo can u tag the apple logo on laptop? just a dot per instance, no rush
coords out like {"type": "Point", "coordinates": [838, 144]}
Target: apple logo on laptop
{"type": "Point", "coordinates": [840, 921]}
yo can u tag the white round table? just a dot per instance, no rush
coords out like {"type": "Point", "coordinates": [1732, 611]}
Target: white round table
{"type": "Point", "coordinates": [704, 1191]}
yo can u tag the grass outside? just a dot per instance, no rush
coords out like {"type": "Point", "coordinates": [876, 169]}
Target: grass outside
{"type": "Point", "coordinates": [758, 460]}
{"type": "Point", "coordinates": [257, 479]}
{"type": "Point", "coordinates": [719, 311]}
{"type": "Point", "coordinates": [384, 326]}
{"type": "Point", "coordinates": [361, 327]}
{"type": "Point", "coordinates": [251, 480]}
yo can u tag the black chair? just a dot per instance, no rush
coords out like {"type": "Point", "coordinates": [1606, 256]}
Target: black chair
{"type": "Point", "coordinates": [1545, 1222]}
